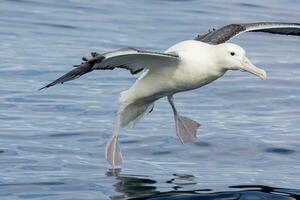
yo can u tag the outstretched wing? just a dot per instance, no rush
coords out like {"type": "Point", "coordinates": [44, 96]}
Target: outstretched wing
{"type": "Point", "coordinates": [128, 58]}
{"type": "Point", "coordinates": [227, 32]}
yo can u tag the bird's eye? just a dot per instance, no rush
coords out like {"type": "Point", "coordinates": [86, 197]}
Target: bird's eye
{"type": "Point", "coordinates": [232, 53]}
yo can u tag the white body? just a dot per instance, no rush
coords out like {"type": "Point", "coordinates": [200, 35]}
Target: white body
{"type": "Point", "coordinates": [198, 64]}
{"type": "Point", "coordinates": [197, 68]}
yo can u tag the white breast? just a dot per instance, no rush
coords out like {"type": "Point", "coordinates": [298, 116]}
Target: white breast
{"type": "Point", "coordinates": [197, 68]}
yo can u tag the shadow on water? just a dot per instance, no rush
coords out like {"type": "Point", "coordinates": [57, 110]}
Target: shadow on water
{"type": "Point", "coordinates": [134, 187]}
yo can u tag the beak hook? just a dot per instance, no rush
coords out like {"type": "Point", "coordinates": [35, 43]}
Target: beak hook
{"type": "Point", "coordinates": [249, 67]}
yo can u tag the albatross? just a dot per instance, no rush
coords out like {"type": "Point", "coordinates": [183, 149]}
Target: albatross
{"type": "Point", "coordinates": [184, 66]}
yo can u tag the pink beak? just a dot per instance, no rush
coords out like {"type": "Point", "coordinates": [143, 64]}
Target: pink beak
{"type": "Point", "coordinates": [249, 67]}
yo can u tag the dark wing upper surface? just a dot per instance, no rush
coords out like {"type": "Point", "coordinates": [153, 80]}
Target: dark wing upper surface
{"type": "Point", "coordinates": [229, 31]}
{"type": "Point", "coordinates": [128, 58]}
{"type": "Point", "coordinates": [79, 70]}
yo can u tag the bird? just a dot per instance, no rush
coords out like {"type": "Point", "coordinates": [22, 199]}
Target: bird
{"type": "Point", "coordinates": [185, 66]}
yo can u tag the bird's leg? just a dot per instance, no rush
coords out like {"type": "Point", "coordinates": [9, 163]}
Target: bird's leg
{"type": "Point", "coordinates": [113, 152]}
{"type": "Point", "coordinates": [186, 129]}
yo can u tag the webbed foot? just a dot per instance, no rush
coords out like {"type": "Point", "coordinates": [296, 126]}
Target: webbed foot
{"type": "Point", "coordinates": [186, 129]}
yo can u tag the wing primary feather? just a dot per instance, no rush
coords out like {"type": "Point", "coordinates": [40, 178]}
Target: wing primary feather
{"type": "Point", "coordinates": [232, 30]}
{"type": "Point", "coordinates": [80, 70]}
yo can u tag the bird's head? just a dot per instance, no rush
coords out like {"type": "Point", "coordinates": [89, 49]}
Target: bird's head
{"type": "Point", "coordinates": [233, 57]}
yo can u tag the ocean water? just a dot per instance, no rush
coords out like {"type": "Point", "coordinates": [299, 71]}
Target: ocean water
{"type": "Point", "coordinates": [52, 141]}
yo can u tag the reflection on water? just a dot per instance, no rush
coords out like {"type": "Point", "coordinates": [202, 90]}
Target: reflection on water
{"type": "Point", "coordinates": [132, 186]}
{"type": "Point", "coordinates": [136, 187]}
{"type": "Point", "coordinates": [52, 142]}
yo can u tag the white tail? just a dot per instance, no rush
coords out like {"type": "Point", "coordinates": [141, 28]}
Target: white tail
{"type": "Point", "coordinates": [134, 112]}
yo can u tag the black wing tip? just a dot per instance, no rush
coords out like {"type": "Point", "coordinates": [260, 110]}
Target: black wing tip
{"type": "Point", "coordinates": [43, 88]}
{"type": "Point", "coordinates": [47, 86]}
{"type": "Point", "coordinates": [80, 70]}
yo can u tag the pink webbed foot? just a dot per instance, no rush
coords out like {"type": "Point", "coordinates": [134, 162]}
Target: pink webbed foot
{"type": "Point", "coordinates": [186, 129]}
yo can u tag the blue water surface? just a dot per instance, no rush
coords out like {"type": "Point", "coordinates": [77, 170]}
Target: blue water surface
{"type": "Point", "coordinates": [52, 141]}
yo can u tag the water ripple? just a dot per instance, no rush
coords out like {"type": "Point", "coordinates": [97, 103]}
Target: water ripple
{"type": "Point", "coordinates": [52, 142]}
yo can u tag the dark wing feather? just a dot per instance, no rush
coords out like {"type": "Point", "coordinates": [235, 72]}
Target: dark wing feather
{"type": "Point", "coordinates": [229, 31]}
{"type": "Point", "coordinates": [81, 69]}
{"type": "Point", "coordinates": [131, 59]}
